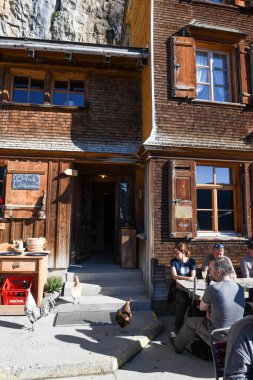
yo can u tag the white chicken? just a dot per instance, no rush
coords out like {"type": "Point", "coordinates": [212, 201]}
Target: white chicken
{"type": "Point", "coordinates": [76, 291]}
{"type": "Point", "coordinates": [34, 312]}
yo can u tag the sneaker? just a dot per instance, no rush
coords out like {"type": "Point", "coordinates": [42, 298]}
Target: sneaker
{"type": "Point", "coordinates": [172, 338]}
{"type": "Point", "coordinates": [172, 335]}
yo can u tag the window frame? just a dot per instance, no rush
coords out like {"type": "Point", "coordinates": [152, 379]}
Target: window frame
{"type": "Point", "coordinates": [210, 54]}
{"type": "Point", "coordinates": [60, 76]}
{"type": "Point", "coordinates": [237, 199]}
{"type": "Point", "coordinates": [32, 74]}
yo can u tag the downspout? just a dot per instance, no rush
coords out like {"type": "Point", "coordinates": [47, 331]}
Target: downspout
{"type": "Point", "coordinates": [149, 217]}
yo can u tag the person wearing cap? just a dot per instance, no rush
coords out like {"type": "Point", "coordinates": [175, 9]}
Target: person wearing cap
{"type": "Point", "coordinates": [246, 264]}
{"type": "Point", "coordinates": [218, 251]}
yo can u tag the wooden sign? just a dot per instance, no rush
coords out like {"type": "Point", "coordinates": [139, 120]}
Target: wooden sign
{"type": "Point", "coordinates": [183, 212]}
{"type": "Point", "coordinates": [25, 182]}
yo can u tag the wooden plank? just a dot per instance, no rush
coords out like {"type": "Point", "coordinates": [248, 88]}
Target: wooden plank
{"type": "Point", "coordinates": [52, 210]}
{"type": "Point", "coordinates": [63, 217]}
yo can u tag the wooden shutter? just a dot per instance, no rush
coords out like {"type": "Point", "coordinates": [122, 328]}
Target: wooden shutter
{"type": "Point", "coordinates": [25, 202]}
{"type": "Point", "coordinates": [183, 67]}
{"type": "Point", "coordinates": [247, 199]}
{"type": "Point", "coordinates": [182, 199]}
{"type": "Point", "coordinates": [245, 74]}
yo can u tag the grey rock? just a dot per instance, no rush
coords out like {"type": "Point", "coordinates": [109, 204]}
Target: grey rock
{"type": "Point", "coordinates": [67, 20]}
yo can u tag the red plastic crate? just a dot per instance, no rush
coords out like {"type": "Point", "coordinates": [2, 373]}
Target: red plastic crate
{"type": "Point", "coordinates": [13, 292]}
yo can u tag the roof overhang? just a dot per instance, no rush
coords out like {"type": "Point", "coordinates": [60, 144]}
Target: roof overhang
{"type": "Point", "coordinates": [214, 33]}
{"type": "Point", "coordinates": [73, 47]}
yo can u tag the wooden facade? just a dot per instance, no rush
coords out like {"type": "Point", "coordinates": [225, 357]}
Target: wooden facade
{"type": "Point", "coordinates": [70, 121]}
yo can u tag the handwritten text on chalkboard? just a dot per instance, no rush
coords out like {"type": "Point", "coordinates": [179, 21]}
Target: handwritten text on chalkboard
{"type": "Point", "coordinates": [25, 182]}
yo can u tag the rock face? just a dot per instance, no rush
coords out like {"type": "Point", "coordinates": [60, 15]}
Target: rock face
{"type": "Point", "coordinates": [88, 21]}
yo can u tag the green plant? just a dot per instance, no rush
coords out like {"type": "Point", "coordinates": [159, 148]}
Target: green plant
{"type": "Point", "coordinates": [53, 284]}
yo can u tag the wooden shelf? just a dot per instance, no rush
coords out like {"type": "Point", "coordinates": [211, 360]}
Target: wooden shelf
{"type": "Point", "coordinates": [37, 266]}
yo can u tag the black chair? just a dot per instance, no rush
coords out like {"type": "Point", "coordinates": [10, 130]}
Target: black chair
{"type": "Point", "coordinates": [218, 341]}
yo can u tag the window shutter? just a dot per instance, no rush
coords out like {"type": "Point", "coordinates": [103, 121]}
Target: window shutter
{"type": "Point", "coordinates": [247, 182]}
{"type": "Point", "coordinates": [183, 67]}
{"type": "Point", "coordinates": [25, 195]}
{"type": "Point", "coordinates": [245, 74]}
{"type": "Point", "coordinates": [182, 199]}
{"type": "Point", "coordinates": [244, 3]}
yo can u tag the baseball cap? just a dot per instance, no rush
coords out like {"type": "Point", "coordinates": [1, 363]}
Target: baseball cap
{"type": "Point", "coordinates": [218, 246]}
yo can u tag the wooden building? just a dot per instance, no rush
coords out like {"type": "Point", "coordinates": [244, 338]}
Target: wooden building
{"type": "Point", "coordinates": [197, 127]}
{"type": "Point", "coordinates": [71, 126]}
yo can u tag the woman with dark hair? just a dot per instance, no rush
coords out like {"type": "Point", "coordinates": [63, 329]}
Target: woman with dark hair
{"type": "Point", "coordinates": [183, 267]}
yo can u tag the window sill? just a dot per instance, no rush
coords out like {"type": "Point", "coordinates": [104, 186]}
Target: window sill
{"type": "Point", "coordinates": [211, 102]}
{"type": "Point", "coordinates": [212, 237]}
{"type": "Point", "coordinates": [50, 106]}
{"type": "Point", "coordinates": [219, 5]}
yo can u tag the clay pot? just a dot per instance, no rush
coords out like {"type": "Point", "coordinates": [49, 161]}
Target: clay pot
{"type": "Point", "coordinates": [36, 244]}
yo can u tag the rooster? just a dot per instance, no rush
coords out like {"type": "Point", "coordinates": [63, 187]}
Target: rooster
{"type": "Point", "coordinates": [124, 315]}
{"type": "Point", "coordinates": [76, 291]}
{"type": "Point", "coordinates": [34, 312]}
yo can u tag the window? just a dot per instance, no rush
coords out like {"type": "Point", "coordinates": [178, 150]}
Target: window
{"type": "Point", "coordinates": [213, 81]}
{"type": "Point", "coordinates": [68, 93]}
{"type": "Point", "coordinates": [208, 71]}
{"type": "Point", "coordinates": [28, 90]}
{"type": "Point", "coordinates": [216, 199]}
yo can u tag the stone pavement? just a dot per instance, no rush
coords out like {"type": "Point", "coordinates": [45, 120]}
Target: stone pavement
{"type": "Point", "coordinates": [94, 353]}
{"type": "Point", "coordinates": [51, 352]}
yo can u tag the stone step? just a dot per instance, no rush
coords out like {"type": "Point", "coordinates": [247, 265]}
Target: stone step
{"type": "Point", "coordinates": [108, 288]}
{"type": "Point", "coordinates": [101, 302]}
{"type": "Point", "coordinates": [122, 276]}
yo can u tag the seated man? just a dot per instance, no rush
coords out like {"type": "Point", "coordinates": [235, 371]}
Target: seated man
{"type": "Point", "coordinates": [223, 302]}
{"type": "Point", "coordinates": [218, 251]}
{"type": "Point", "coordinates": [239, 352]}
{"type": "Point", "coordinates": [246, 264]}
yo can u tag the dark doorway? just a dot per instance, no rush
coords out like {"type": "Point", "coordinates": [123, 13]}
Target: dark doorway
{"type": "Point", "coordinates": [96, 219]}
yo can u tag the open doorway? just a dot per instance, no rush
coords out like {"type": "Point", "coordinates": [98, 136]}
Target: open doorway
{"type": "Point", "coordinates": [95, 219]}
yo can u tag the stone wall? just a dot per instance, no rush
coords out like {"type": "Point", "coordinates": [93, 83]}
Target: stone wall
{"type": "Point", "coordinates": [68, 20]}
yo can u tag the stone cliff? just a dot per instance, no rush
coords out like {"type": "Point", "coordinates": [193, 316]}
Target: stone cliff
{"type": "Point", "coordinates": [88, 21]}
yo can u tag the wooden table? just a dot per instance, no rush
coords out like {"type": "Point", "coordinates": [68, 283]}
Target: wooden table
{"type": "Point", "coordinates": [36, 266]}
{"type": "Point", "coordinates": [188, 286]}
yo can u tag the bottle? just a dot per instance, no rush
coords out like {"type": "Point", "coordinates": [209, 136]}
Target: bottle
{"type": "Point", "coordinates": [195, 285]}
{"type": "Point", "coordinates": [207, 279]}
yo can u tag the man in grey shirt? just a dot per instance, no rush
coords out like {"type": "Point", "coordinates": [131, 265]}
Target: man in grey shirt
{"type": "Point", "coordinates": [223, 302]}
{"type": "Point", "coordinates": [246, 264]}
{"type": "Point", "coordinates": [239, 352]}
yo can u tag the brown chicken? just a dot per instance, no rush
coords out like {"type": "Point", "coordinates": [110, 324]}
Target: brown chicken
{"type": "Point", "coordinates": [124, 315]}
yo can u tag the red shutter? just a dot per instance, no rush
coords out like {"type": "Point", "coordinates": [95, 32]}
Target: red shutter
{"type": "Point", "coordinates": [245, 74]}
{"type": "Point", "coordinates": [25, 202]}
{"type": "Point", "coordinates": [182, 199]}
{"type": "Point", "coordinates": [183, 67]}
{"type": "Point", "coordinates": [247, 210]}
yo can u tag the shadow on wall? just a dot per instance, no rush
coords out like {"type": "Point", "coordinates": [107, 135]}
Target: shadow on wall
{"type": "Point", "coordinates": [96, 127]}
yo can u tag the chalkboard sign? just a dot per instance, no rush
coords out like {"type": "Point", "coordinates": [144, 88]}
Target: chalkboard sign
{"type": "Point", "coordinates": [25, 182]}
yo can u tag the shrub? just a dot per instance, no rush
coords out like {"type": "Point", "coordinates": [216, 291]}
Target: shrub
{"type": "Point", "coordinates": [53, 284]}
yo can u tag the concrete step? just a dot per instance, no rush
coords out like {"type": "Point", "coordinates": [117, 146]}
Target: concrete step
{"type": "Point", "coordinates": [101, 302]}
{"type": "Point", "coordinates": [107, 288]}
{"type": "Point", "coordinates": [115, 276]}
